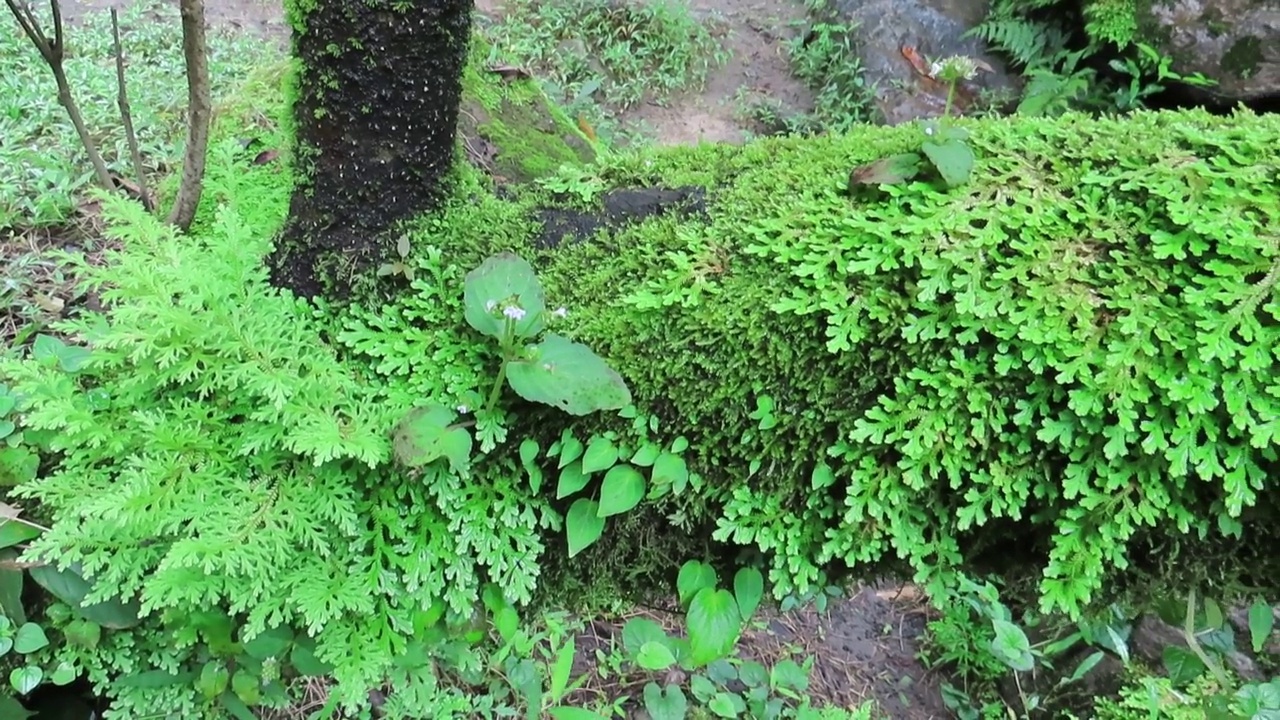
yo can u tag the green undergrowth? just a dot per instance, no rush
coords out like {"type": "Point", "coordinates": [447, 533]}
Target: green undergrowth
{"type": "Point", "coordinates": [597, 56]}
{"type": "Point", "coordinates": [1071, 349]}
{"type": "Point", "coordinates": [43, 167]}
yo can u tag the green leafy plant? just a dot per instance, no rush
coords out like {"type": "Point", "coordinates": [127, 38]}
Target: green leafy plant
{"type": "Point", "coordinates": [504, 301]}
{"type": "Point", "coordinates": [943, 145]}
{"type": "Point", "coordinates": [978, 637]}
{"type": "Point", "coordinates": [582, 182]}
{"type": "Point", "coordinates": [624, 51]}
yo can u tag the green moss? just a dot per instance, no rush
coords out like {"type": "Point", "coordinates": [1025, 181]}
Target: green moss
{"type": "Point", "coordinates": [527, 135]}
{"type": "Point", "coordinates": [1243, 57]}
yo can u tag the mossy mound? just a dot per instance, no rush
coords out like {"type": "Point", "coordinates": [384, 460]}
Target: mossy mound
{"type": "Point", "coordinates": [1075, 348]}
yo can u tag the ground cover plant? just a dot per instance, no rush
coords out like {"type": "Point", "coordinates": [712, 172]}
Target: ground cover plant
{"type": "Point", "coordinates": [795, 378]}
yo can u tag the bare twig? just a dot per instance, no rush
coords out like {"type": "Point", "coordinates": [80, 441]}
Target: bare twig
{"type": "Point", "coordinates": [198, 113]}
{"type": "Point", "coordinates": [53, 53]}
{"type": "Point", "coordinates": [126, 117]}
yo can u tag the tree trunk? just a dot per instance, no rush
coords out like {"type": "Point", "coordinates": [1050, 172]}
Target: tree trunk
{"type": "Point", "coordinates": [375, 112]}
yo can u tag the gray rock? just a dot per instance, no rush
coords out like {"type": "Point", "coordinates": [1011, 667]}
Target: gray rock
{"type": "Point", "coordinates": [934, 28]}
{"type": "Point", "coordinates": [1151, 636]}
{"type": "Point", "coordinates": [1235, 42]}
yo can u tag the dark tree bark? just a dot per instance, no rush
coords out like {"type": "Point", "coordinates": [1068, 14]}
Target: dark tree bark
{"type": "Point", "coordinates": [375, 113]}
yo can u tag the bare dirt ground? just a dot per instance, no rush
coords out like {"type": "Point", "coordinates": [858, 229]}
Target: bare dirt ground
{"type": "Point", "coordinates": [865, 646]}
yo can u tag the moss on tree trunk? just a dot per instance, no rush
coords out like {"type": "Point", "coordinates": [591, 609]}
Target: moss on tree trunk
{"type": "Point", "coordinates": [375, 112]}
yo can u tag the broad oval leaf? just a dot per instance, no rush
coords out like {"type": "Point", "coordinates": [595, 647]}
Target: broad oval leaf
{"type": "Point", "coordinates": [714, 625]}
{"type": "Point", "coordinates": [655, 655]}
{"type": "Point", "coordinates": [572, 479]}
{"type": "Point", "coordinates": [639, 631]}
{"type": "Point", "coordinates": [504, 278]}
{"type": "Point", "coordinates": [1011, 646]}
{"type": "Point", "coordinates": [268, 644]}
{"type": "Point", "coordinates": [569, 376]}
{"type": "Point", "coordinates": [29, 639]}
{"type": "Point", "coordinates": [953, 158]}
{"type": "Point", "coordinates": [748, 589]}
{"type": "Point", "coordinates": [1261, 622]}
{"type": "Point", "coordinates": [427, 434]}
{"type": "Point", "coordinates": [694, 576]}
{"type": "Point", "coordinates": [670, 469]}
{"type": "Point", "coordinates": [214, 680]}
{"type": "Point", "coordinates": [13, 532]}
{"type": "Point", "coordinates": [622, 489]}
{"type": "Point", "coordinates": [64, 674]}
{"type": "Point", "coordinates": [1182, 665]}
{"type": "Point", "coordinates": [669, 704]}
{"type": "Point", "coordinates": [247, 686]}
{"type": "Point", "coordinates": [582, 525]}
{"type": "Point", "coordinates": [601, 455]}
{"type": "Point", "coordinates": [70, 586]}
{"type": "Point", "coordinates": [25, 679]}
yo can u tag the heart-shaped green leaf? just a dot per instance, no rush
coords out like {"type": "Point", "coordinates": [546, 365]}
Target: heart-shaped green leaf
{"type": "Point", "coordinates": [214, 680]}
{"type": "Point", "coordinates": [639, 631]}
{"type": "Point", "coordinates": [665, 705]}
{"type": "Point", "coordinates": [26, 678]}
{"type": "Point", "coordinates": [64, 674]}
{"type": "Point", "coordinates": [29, 639]}
{"type": "Point", "coordinates": [83, 633]}
{"type": "Point", "coordinates": [601, 455]}
{"type": "Point", "coordinates": [502, 280]}
{"type": "Point", "coordinates": [1011, 646]}
{"type": "Point", "coordinates": [427, 434]}
{"type": "Point", "coordinates": [953, 158]}
{"type": "Point", "coordinates": [671, 469]}
{"type": "Point", "coordinates": [247, 687]}
{"type": "Point", "coordinates": [655, 656]}
{"type": "Point", "coordinates": [694, 576]}
{"type": "Point", "coordinates": [1182, 665]}
{"type": "Point", "coordinates": [714, 625]}
{"type": "Point", "coordinates": [621, 490]}
{"type": "Point", "coordinates": [582, 525]}
{"type": "Point", "coordinates": [568, 375]}
{"type": "Point", "coordinates": [572, 479]}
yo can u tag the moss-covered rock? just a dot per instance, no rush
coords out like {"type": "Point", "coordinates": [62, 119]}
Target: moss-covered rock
{"type": "Point", "coordinates": [510, 128]}
{"type": "Point", "coordinates": [1006, 364]}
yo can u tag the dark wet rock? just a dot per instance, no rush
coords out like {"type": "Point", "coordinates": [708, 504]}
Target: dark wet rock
{"type": "Point", "coordinates": [1233, 42]}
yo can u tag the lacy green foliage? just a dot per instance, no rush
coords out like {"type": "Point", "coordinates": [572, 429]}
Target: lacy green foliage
{"type": "Point", "coordinates": [215, 453]}
{"type": "Point", "coordinates": [1113, 21]}
{"type": "Point", "coordinates": [1094, 308]}
{"type": "Point", "coordinates": [1033, 309]}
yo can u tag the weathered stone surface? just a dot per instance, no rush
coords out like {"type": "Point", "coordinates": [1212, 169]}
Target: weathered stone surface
{"type": "Point", "coordinates": [933, 28]}
{"type": "Point", "coordinates": [1234, 42]}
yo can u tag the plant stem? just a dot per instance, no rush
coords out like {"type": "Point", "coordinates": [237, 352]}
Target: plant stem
{"type": "Point", "coordinates": [951, 92]}
{"type": "Point", "coordinates": [508, 338]}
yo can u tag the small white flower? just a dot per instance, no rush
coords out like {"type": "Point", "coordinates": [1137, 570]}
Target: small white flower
{"type": "Point", "coordinates": [928, 130]}
{"type": "Point", "coordinates": [956, 67]}
{"type": "Point", "coordinates": [489, 306]}
{"type": "Point", "coordinates": [560, 312]}
{"type": "Point", "coordinates": [463, 409]}
{"type": "Point", "coordinates": [515, 312]}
